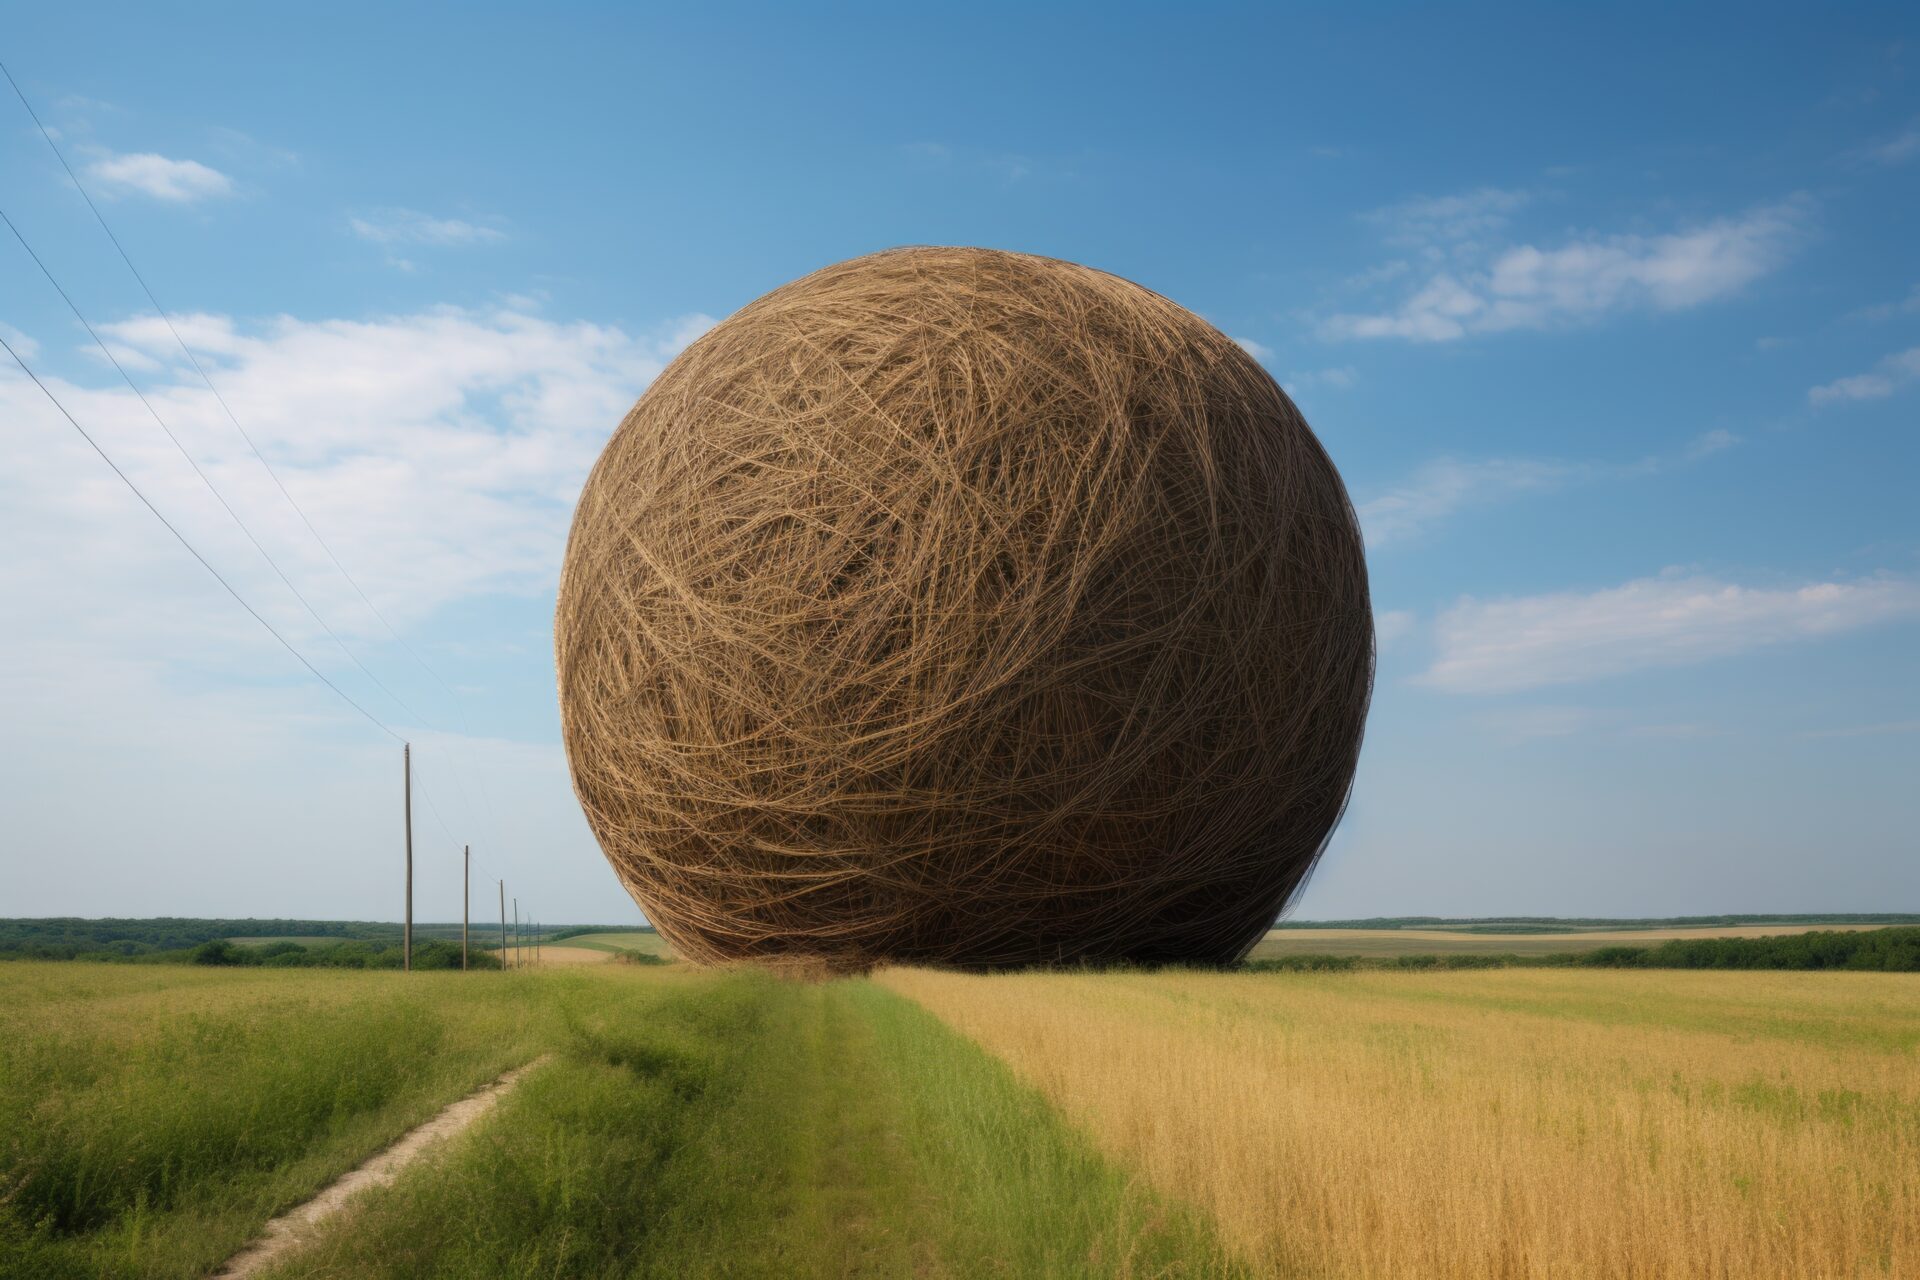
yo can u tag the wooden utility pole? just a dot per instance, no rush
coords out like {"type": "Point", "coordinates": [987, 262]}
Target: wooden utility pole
{"type": "Point", "coordinates": [503, 924]}
{"type": "Point", "coordinates": [466, 899]}
{"type": "Point", "coordinates": [406, 933]}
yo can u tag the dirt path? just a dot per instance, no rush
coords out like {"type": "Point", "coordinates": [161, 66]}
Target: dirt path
{"type": "Point", "coordinates": [286, 1232]}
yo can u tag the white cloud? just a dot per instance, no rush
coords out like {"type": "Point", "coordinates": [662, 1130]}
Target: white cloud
{"type": "Point", "coordinates": [1445, 486]}
{"type": "Point", "coordinates": [1256, 350]}
{"type": "Point", "coordinates": [176, 181]}
{"type": "Point", "coordinates": [439, 452]}
{"type": "Point", "coordinates": [1884, 379]}
{"type": "Point", "coordinates": [1500, 646]}
{"type": "Point", "coordinates": [1526, 287]}
{"type": "Point", "coordinates": [411, 227]}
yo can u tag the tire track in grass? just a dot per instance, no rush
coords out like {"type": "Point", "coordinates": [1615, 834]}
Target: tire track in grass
{"type": "Point", "coordinates": [286, 1232]}
{"type": "Point", "coordinates": [753, 1126]}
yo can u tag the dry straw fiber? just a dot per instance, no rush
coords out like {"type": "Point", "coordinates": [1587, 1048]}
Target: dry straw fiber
{"type": "Point", "coordinates": [958, 606]}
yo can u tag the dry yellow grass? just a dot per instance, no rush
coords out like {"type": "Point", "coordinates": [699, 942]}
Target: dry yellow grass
{"type": "Point", "coordinates": [1496, 1123]}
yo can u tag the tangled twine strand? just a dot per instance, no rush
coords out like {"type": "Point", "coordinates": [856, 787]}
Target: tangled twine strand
{"type": "Point", "coordinates": [958, 606]}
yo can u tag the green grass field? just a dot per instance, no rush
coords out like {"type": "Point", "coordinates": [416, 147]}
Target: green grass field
{"type": "Point", "coordinates": [688, 1122]}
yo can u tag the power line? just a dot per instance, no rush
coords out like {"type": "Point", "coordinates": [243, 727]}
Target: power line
{"type": "Point", "coordinates": [258, 455]}
{"type": "Point", "coordinates": [205, 479]}
{"type": "Point", "coordinates": [206, 564]}
{"type": "Point", "coordinates": [227, 506]}
{"type": "Point", "coordinates": [167, 318]}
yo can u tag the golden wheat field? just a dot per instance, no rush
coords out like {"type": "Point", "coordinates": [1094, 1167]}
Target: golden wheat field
{"type": "Point", "coordinates": [1515, 1122]}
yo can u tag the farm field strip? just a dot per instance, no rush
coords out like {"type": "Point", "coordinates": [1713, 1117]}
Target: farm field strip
{"type": "Point", "coordinates": [555, 953]}
{"type": "Point", "coordinates": [1400, 942]}
{"type": "Point", "coordinates": [1504, 1123]}
{"type": "Point", "coordinates": [637, 940]}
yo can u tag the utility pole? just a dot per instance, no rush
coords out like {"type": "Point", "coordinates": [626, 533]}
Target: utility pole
{"type": "Point", "coordinates": [503, 924]}
{"type": "Point", "coordinates": [466, 899]}
{"type": "Point", "coordinates": [406, 934]}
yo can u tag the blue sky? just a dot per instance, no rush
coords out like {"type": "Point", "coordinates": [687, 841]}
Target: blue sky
{"type": "Point", "coordinates": [1611, 321]}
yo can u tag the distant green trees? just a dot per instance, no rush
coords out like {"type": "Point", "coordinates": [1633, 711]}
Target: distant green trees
{"type": "Point", "coordinates": [431, 953]}
{"type": "Point", "coordinates": [75, 938]}
{"type": "Point", "coordinates": [1872, 950]}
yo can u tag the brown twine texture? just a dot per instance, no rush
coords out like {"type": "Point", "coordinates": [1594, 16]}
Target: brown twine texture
{"type": "Point", "coordinates": [965, 607]}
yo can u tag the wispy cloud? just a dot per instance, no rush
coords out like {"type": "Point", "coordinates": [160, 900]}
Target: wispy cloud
{"type": "Point", "coordinates": [1008, 166]}
{"type": "Point", "coordinates": [1708, 443]}
{"type": "Point", "coordinates": [1671, 620]}
{"type": "Point", "coordinates": [1339, 378]}
{"type": "Point", "coordinates": [1258, 350]}
{"type": "Point", "coordinates": [175, 181]}
{"type": "Point", "coordinates": [21, 342]}
{"type": "Point", "coordinates": [394, 227]}
{"type": "Point", "coordinates": [1431, 221]}
{"type": "Point", "coordinates": [1887, 310]}
{"type": "Point", "coordinates": [249, 152]}
{"type": "Point", "coordinates": [1867, 730]}
{"type": "Point", "coordinates": [1527, 287]}
{"type": "Point", "coordinates": [1391, 626]}
{"type": "Point", "coordinates": [1447, 485]}
{"type": "Point", "coordinates": [1532, 723]}
{"type": "Point", "coordinates": [1886, 377]}
{"type": "Point", "coordinates": [1898, 149]}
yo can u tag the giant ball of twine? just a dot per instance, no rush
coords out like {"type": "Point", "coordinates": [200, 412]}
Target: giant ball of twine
{"type": "Point", "coordinates": [965, 607]}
